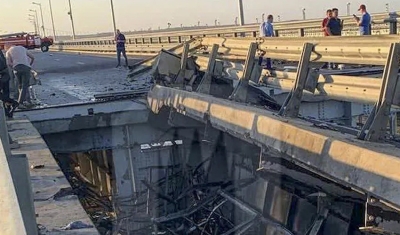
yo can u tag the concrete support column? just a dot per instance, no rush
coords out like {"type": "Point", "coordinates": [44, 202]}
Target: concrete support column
{"type": "Point", "coordinates": [195, 154]}
{"type": "Point", "coordinates": [218, 168]}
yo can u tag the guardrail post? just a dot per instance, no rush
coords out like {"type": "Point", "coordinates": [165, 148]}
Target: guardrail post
{"type": "Point", "coordinates": [301, 32]}
{"type": "Point", "coordinates": [376, 124]}
{"type": "Point", "coordinates": [180, 78]}
{"type": "Point", "coordinates": [169, 39]}
{"type": "Point", "coordinates": [179, 39]}
{"type": "Point", "coordinates": [392, 20]}
{"type": "Point", "coordinates": [205, 83]}
{"type": "Point", "coordinates": [239, 94]}
{"type": "Point", "coordinates": [276, 33]}
{"type": "Point", "coordinates": [159, 40]}
{"type": "Point", "coordinates": [291, 106]}
{"type": "Point", "coordinates": [143, 41]}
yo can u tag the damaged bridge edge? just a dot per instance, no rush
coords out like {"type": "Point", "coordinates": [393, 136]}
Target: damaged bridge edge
{"type": "Point", "coordinates": [145, 65]}
{"type": "Point", "coordinates": [371, 168]}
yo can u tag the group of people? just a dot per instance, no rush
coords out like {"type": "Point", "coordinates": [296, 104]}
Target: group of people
{"type": "Point", "coordinates": [16, 62]}
{"type": "Point", "coordinates": [332, 25]}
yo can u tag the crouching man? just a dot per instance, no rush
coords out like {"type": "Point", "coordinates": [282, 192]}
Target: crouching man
{"type": "Point", "coordinates": [21, 60]}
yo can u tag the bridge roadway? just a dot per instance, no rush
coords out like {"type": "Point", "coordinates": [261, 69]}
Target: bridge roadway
{"type": "Point", "coordinates": [71, 78]}
{"type": "Point", "coordinates": [76, 77]}
{"type": "Point", "coordinates": [66, 78]}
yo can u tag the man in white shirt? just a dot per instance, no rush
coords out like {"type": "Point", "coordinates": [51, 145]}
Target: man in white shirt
{"type": "Point", "coordinates": [21, 60]}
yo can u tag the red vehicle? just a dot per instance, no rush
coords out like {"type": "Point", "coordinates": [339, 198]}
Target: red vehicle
{"type": "Point", "coordinates": [29, 41]}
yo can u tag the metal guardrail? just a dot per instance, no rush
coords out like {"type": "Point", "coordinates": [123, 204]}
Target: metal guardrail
{"type": "Point", "coordinates": [371, 50]}
{"type": "Point", "coordinates": [367, 50]}
{"type": "Point", "coordinates": [151, 43]}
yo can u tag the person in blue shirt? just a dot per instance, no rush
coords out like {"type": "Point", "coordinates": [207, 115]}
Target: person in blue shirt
{"type": "Point", "coordinates": [120, 41]}
{"type": "Point", "coordinates": [267, 30]}
{"type": "Point", "coordinates": [365, 21]}
{"type": "Point", "coordinates": [268, 27]}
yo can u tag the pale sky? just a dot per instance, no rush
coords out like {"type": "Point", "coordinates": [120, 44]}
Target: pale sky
{"type": "Point", "coordinates": [92, 16]}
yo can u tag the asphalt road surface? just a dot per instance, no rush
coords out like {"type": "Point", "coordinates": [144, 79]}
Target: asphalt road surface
{"type": "Point", "coordinates": [73, 77]}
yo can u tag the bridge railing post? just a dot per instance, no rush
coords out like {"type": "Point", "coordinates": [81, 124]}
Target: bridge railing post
{"type": "Point", "coordinates": [291, 106]}
{"type": "Point", "coordinates": [180, 78]}
{"type": "Point", "coordinates": [301, 32]}
{"type": "Point", "coordinates": [375, 127]}
{"type": "Point", "coordinates": [205, 83]}
{"type": "Point", "coordinates": [239, 94]}
{"type": "Point", "coordinates": [392, 21]}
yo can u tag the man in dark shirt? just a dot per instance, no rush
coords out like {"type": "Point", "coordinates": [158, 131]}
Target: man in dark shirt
{"type": "Point", "coordinates": [10, 105]}
{"type": "Point", "coordinates": [120, 41]}
{"type": "Point", "coordinates": [334, 25]}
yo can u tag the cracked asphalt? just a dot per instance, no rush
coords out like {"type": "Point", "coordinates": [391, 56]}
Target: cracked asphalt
{"type": "Point", "coordinates": [74, 77]}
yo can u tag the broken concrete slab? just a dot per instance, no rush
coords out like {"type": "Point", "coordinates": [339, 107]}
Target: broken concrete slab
{"type": "Point", "coordinates": [369, 167]}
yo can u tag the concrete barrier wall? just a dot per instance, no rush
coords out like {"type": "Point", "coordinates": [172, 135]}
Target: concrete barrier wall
{"type": "Point", "coordinates": [16, 200]}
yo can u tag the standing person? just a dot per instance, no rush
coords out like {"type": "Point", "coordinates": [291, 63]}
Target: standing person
{"type": "Point", "coordinates": [21, 60]}
{"type": "Point", "coordinates": [267, 29]}
{"type": "Point", "coordinates": [262, 31]}
{"type": "Point", "coordinates": [334, 24]}
{"type": "Point", "coordinates": [326, 33]}
{"type": "Point", "coordinates": [335, 14]}
{"type": "Point", "coordinates": [9, 104]}
{"type": "Point", "coordinates": [364, 22]}
{"type": "Point", "coordinates": [325, 21]}
{"type": "Point", "coordinates": [120, 41]}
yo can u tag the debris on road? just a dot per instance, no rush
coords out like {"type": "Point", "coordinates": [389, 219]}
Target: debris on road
{"type": "Point", "coordinates": [37, 166]}
{"type": "Point", "coordinates": [76, 225]}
